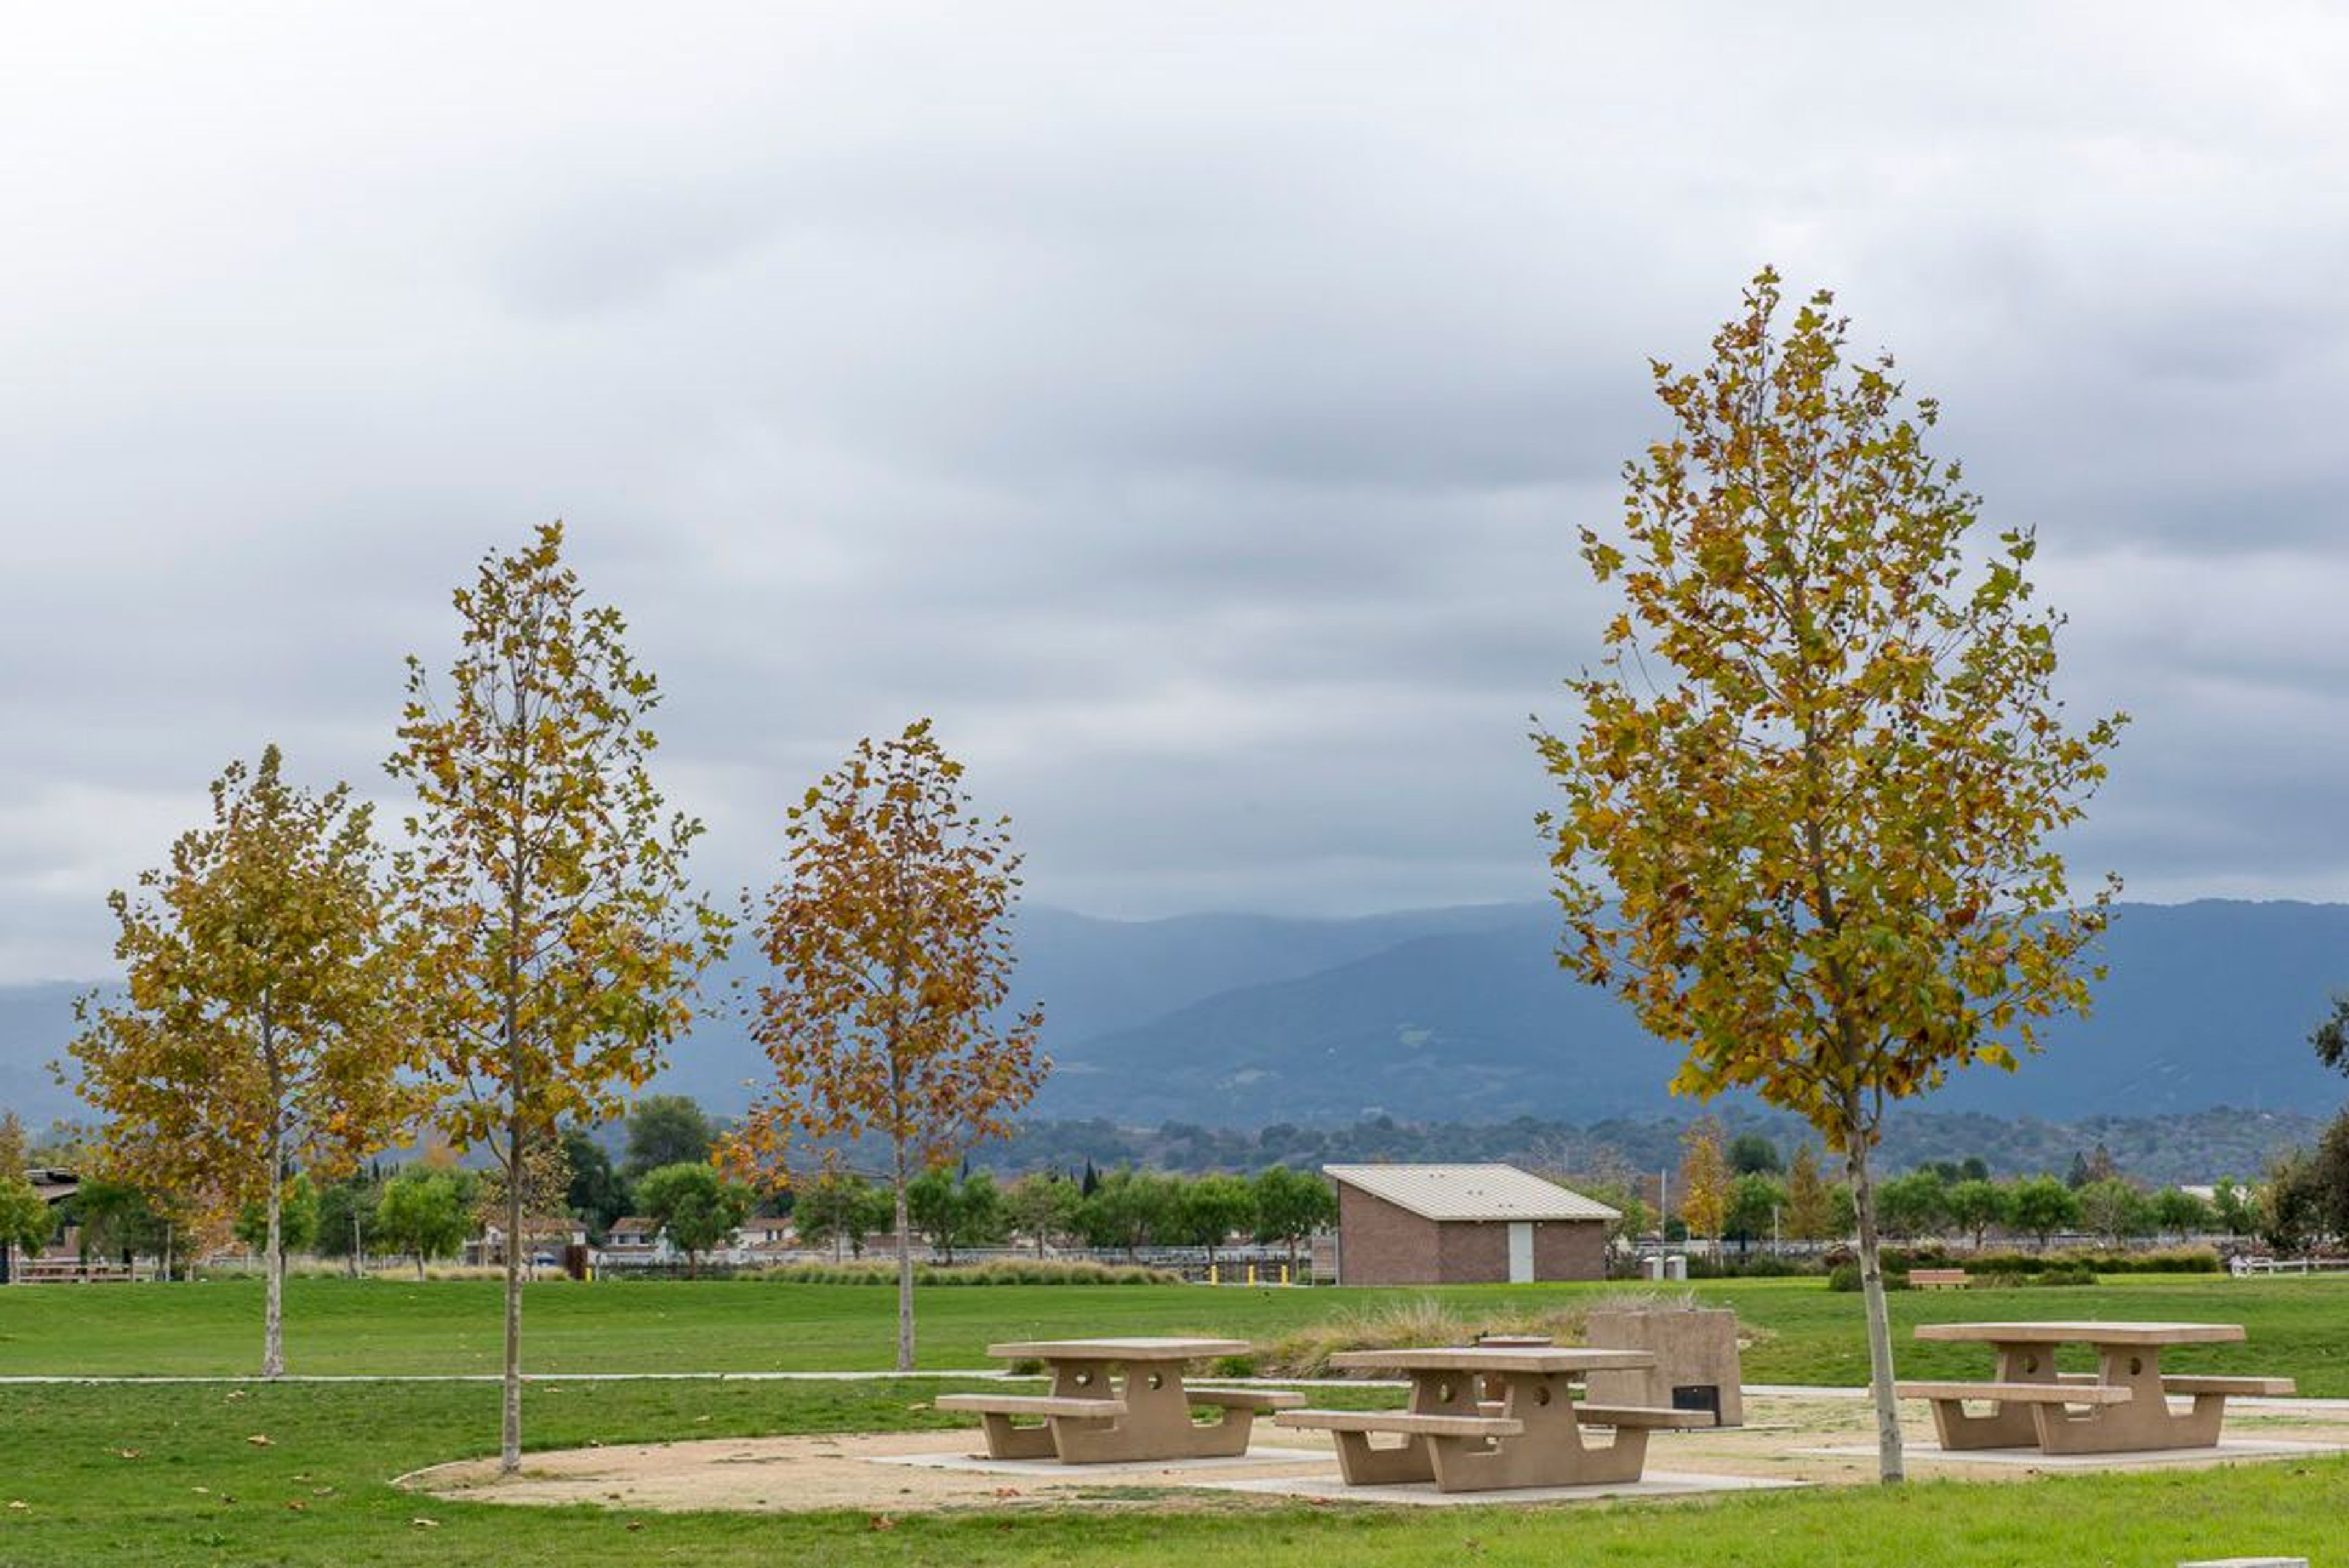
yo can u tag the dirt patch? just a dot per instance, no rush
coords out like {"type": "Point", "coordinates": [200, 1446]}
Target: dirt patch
{"type": "Point", "coordinates": [852, 1471]}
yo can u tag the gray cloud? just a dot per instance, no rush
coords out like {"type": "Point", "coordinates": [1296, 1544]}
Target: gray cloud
{"type": "Point", "coordinates": [1191, 408]}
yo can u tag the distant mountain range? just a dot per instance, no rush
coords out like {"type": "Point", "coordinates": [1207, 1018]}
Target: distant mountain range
{"type": "Point", "coordinates": [1463, 1015]}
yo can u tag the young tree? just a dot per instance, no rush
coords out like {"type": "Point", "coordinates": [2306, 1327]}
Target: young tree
{"type": "Point", "coordinates": [1040, 1206]}
{"type": "Point", "coordinates": [1126, 1209]}
{"type": "Point", "coordinates": [1290, 1205]}
{"type": "Point", "coordinates": [346, 1218]}
{"type": "Point", "coordinates": [1810, 1208]}
{"type": "Point", "coordinates": [2043, 1206]}
{"type": "Point", "coordinates": [2236, 1207]}
{"type": "Point", "coordinates": [1975, 1206]}
{"type": "Point", "coordinates": [559, 944]}
{"type": "Point", "coordinates": [1751, 1154]}
{"type": "Point", "coordinates": [1211, 1208]}
{"type": "Point", "coordinates": [262, 1025]}
{"type": "Point", "coordinates": [1912, 1204]}
{"type": "Point", "coordinates": [25, 1223]}
{"type": "Point", "coordinates": [1756, 1209]}
{"type": "Point", "coordinates": [699, 1208]}
{"type": "Point", "coordinates": [2180, 1213]}
{"type": "Point", "coordinates": [1805, 816]}
{"type": "Point", "coordinates": [426, 1213]}
{"type": "Point", "coordinates": [951, 1212]}
{"type": "Point", "coordinates": [890, 941]}
{"type": "Point", "coordinates": [15, 1155]}
{"type": "Point", "coordinates": [836, 1208]}
{"type": "Point", "coordinates": [1704, 1180]}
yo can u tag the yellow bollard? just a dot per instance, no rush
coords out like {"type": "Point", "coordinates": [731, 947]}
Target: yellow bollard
{"type": "Point", "coordinates": [1251, 1273]}
{"type": "Point", "coordinates": [1284, 1274]}
{"type": "Point", "coordinates": [1211, 1276]}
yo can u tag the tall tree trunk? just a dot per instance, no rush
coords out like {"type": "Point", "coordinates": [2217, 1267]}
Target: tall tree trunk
{"type": "Point", "coordinates": [905, 1260]}
{"type": "Point", "coordinates": [1890, 1469]}
{"type": "Point", "coordinates": [510, 1431]}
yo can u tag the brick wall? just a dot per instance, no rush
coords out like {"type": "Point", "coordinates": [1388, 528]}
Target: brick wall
{"type": "Point", "coordinates": [1378, 1243]}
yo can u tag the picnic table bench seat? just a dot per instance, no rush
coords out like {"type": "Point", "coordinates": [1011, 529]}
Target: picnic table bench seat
{"type": "Point", "coordinates": [1404, 1422]}
{"type": "Point", "coordinates": [2196, 1384]}
{"type": "Point", "coordinates": [1654, 1416]}
{"type": "Point", "coordinates": [1038, 1405]}
{"type": "Point", "coordinates": [1939, 1279]}
{"type": "Point", "coordinates": [1245, 1399]}
{"type": "Point", "coordinates": [2066, 1392]}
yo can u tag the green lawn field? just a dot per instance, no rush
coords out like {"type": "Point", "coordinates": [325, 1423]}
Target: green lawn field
{"type": "Point", "coordinates": [168, 1474]}
{"type": "Point", "coordinates": [1804, 1333]}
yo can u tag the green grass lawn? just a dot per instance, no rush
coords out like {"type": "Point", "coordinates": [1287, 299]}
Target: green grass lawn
{"type": "Point", "coordinates": [196, 1490]}
{"type": "Point", "coordinates": [2297, 1327]}
{"type": "Point", "coordinates": [168, 1475]}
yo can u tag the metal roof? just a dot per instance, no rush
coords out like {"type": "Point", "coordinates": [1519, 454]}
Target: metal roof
{"type": "Point", "coordinates": [1470, 1192]}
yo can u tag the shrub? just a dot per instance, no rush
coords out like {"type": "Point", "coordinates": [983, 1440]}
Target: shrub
{"type": "Point", "coordinates": [1846, 1276]}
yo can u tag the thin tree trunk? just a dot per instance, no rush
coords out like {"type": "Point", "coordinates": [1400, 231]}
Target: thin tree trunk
{"type": "Point", "coordinates": [510, 1432]}
{"type": "Point", "coordinates": [1890, 1469]}
{"type": "Point", "coordinates": [904, 1262]}
{"type": "Point", "coordinates": [273, 1316]}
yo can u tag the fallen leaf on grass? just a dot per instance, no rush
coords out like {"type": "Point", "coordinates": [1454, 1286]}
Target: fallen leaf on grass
{"type": "Point", "coordinates": [236, 1393]}
{"type": "Point", "coordinates": [261, 1440]}
{"type": "Point", "coordinates": [635, 1524]}
{"type": "Point", "coordinates": [128, 1453]}
{"type": "Point", "coordinates": [18, 1505]}
{"type": "Point", "coordinates": [424, 1524]}
{"type": "Point", "coordinates": [880, 1522]}
{"type": "Point", "coordinates": [296, 1505]}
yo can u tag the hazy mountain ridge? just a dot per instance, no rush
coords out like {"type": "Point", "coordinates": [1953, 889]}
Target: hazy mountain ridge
{"type": "Point", "coordinates": [1461, 1016]}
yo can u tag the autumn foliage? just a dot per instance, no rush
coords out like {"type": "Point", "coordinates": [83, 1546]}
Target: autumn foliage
{"type": "Point", "coordinates": [889, 941]}
{"type": "Point", "coordinates": [1805, 823]}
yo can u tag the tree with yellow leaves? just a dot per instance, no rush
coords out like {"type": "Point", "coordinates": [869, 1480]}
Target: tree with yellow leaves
{"type": "Point", "coordinates": [1807, 813]}
{"type": "Point", "coordinates": [262, 1025]}
{"type": "Point", "coordinates": [1705, 1179]}
{"type": "Point", "coordinates": [890, 941]}
{"type": "Point", "coordinates": [557, 940]}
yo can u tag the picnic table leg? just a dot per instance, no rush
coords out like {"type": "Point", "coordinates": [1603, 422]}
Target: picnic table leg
{"type": "Point", "coordinates": [2144, 1423]}
{"type": "Point", "coordinates": [1551, 1451]}
{"type": "Point", "coordinates": [2007, 1426]}
{"type": "Point", "coordinates": [1006, 1441]}
{"type": "Point", "coordinates": [1157, 1422]}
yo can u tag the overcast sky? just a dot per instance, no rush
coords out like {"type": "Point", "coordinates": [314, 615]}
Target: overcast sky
{"type": "Point", "coordinates": [1190, 407]}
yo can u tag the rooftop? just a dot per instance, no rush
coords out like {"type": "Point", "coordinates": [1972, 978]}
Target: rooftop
{"type": "Point", "coordinates": [1470, 1192]}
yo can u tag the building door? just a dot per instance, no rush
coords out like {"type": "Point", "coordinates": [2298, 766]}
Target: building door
{"type": "Point", "coordinates": [1521, 1252]}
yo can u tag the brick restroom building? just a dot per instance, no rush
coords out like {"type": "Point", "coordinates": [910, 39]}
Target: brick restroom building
{"type": "Point", "coordinates": [1464, 1224]}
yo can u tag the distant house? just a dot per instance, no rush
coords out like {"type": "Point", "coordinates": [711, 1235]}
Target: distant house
{"type": "Point", "coordinates": [54, 1182]}
{"type": "Point", "coordinates": [1464, 1224]}
{"type": "Point", "coordinates": [544, 1239]}
{"type": "Point", "coordinates": [633, 1241]}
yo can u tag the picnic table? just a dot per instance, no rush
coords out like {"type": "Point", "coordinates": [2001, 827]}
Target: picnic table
{"type": "Point", "coordinates": [1118, 1401]}
{"type": "Point", "coordinates": [2123, 1406]}
{"type": "Point", "coordinates": [1482, 1417]}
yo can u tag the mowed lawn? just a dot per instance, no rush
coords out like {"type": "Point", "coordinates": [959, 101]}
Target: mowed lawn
{"type": "Point", "coordinates": [1802, 1332]}
{"type": "Point", "coordinates": [173, 1474]}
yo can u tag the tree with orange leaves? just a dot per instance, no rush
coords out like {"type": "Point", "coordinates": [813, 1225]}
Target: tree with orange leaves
{"type": "Point", "coordinates": [557, 940]}
{"type": "Point", "coordinates": [262, 1025]}
{"type": "Point", "coordinates": [889, 936]}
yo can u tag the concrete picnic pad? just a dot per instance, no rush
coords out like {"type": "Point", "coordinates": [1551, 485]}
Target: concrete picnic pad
{"type": "Point", "coordinates": [1817, 1438]}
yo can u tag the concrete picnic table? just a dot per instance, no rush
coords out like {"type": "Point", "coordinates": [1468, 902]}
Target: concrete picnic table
{"type": "Point", "coordinates": [2121, 1408]}
{"type": "Point", "coordinates": [1532, 1434]}
{"type": "Point", "coordinates": [1118, 1400]}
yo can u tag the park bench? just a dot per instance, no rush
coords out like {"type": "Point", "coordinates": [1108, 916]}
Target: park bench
{"type": "Point", "coordinates": [1938, 1279]}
